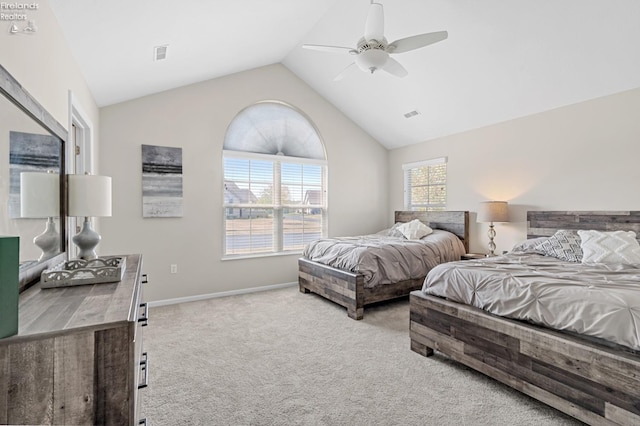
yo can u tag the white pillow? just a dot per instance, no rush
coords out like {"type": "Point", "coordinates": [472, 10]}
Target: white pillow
{"type": "Point", "coordinates": [610, 247]}
{"type": "Point", "coordinates": [414, 230]}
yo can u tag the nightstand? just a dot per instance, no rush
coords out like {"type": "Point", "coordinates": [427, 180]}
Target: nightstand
{"type": "Point", "coordinates": [471, 256]}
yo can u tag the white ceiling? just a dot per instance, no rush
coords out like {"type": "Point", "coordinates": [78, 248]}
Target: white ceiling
{"type": "Point", "coordinates": [502, 60]}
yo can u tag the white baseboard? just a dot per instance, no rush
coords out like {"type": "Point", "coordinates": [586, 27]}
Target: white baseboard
{"type": "Point", "coordinates": [220, 294]}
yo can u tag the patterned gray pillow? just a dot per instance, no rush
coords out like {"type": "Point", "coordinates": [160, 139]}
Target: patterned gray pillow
{"type": "Point", "coordinates": [529, 246]}
{"type": "Point", "coordinates": [564, 245]}
{"type": "Point", "coordinates": [392, 232]}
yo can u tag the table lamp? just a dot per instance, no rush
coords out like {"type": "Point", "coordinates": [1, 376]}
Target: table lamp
{"type": "Point", "coordinates": [39, 199]}
{"type": "Point", "coordinates": [493, 211]}
{"type": "Point", "coordinates": [89, 196]}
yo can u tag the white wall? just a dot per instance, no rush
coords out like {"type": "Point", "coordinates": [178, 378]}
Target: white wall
{"type": "Point", "coordinates": [195, 118]}
{"type": "Point", "coordinates": [579, 157]}
{"type": "Point", "coordinates": [44, 66]}
{"type": "Point", "coordinates": [42, 63]}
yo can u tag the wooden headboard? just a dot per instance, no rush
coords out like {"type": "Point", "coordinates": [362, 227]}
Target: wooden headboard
{"type": "Point", "coordinates": [546, 223]}
{"type": "Point", "coordinates": [456, 222]}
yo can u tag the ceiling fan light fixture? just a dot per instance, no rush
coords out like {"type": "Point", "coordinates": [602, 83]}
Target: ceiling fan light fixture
{"type": "Point", "coordinates": [373, 51]}
{"type": "Point", "coordinates": [372, 60]}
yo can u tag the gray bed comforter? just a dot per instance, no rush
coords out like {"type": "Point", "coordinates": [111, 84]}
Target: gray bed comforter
{"type": "Point", "coordinates": [597, 300]}
{"type": "Point", "coordinates": [383, 259]}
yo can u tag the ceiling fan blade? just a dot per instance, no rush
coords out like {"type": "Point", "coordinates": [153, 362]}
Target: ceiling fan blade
{"type": "Point", "coordinates": [393, 67]}
{"type": "Point", "coordinates": [374, 27]}
{"type": "Point", "coordinates": [416, 42]}
{"type": "Point", "coordinates": [345, 71]}
{"type": "Point", "coordinates": [331, 49]}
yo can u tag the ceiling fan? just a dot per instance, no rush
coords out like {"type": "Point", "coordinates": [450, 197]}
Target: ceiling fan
{"type": "Point", "coordinates": [372, 51]}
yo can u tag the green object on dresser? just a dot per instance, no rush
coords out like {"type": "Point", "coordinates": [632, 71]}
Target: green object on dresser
{"type": "Point", "coordinates": [9, 264]}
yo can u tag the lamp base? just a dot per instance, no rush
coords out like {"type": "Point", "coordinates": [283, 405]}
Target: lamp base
{"type": "Point", "coordinates": [48, 241]}
{"type": "Point", "coordinates": [86, 240]}
{"type": "Point", "coordinates": [492, 246]}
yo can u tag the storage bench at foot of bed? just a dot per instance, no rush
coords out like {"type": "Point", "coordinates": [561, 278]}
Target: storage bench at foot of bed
{"type": "Point", "coordinates": [347, 288]}
{"type": "Point", "coordinates": [592, 382]}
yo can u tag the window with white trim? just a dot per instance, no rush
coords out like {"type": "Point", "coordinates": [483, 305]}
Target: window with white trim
{"type": "Point", "coordinates": [425, 185]}
{"type": "Point", "coordinates": [273, 202]}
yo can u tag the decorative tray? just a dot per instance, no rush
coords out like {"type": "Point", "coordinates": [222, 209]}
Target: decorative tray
{"type": "Point", "coordinates": [79, 271]}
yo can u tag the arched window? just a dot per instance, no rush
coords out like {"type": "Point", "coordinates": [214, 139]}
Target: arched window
{"type": "Point", "coordinates": [275, 181]}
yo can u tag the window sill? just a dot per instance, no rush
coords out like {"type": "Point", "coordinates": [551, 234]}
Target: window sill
{"type": "Point", "coordinates": [260, 255]}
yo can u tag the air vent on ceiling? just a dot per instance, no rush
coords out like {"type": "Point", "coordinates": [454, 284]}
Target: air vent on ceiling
{"type": "Point", "coordinates": [160, 52]}
{"type": "Point", "coordinates": [411, 114]}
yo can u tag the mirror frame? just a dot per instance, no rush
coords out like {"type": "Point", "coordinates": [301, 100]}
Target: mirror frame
{"type": "Point", "coordinates": [16, 94]}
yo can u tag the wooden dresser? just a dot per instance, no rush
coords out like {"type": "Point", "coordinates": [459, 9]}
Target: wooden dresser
{"type": "Point", "coordinates": [78, 357]}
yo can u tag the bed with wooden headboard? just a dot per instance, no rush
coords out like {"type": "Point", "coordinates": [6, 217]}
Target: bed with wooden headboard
{"type": "Point", "coordinates": [593, 380]}
{"type": "Point", "coordinates": [347, 288]}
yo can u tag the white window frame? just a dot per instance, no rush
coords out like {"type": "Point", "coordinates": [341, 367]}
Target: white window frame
{"type": "Point", "coordinates": [277, 206]}
{"type": "Point", "coordinates": [407, 167]}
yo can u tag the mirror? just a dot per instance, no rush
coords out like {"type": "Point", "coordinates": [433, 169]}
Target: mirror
{"type": "Point", "coordinates": [32, 159]}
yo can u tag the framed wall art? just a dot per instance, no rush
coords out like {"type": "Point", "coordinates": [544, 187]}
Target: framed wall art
{"type": "Point", "coordinates": [161, 181]}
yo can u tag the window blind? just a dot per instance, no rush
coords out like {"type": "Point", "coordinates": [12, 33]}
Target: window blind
{"type": "Point", "coordinates": [272, 203]}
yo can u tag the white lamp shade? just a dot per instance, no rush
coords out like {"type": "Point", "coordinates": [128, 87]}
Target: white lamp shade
{"type": "Point", "coordinates": [493, 211]}
{"type": "Point", "coordinates": [39, 194]}
{"type": "Point", "coordinates": [89, 195]}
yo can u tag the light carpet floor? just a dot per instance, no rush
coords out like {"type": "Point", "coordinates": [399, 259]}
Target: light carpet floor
{"type": "Point", "coordinates": [285, 358]}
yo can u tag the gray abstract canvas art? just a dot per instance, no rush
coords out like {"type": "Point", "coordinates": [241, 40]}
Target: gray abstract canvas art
{"type": "Point", "coordinates": [29, 152]}
{"type": "Point", "coordinates": [161, 181]}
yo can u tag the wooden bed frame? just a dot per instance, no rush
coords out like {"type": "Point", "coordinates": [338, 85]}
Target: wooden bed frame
{"type": "Point", "coordinates": [594, 382]}
{"type": "Point", "coordinates": [347, 288]}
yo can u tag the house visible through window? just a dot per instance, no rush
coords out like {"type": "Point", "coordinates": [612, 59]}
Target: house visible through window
{"type": "Point", "coordinates": [274, 182]}
{"type": "Point", "coordinates": [425, 184]}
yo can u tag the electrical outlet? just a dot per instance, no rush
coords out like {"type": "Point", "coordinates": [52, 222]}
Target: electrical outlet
{"type": "Point", "coordinates": [174, 268]}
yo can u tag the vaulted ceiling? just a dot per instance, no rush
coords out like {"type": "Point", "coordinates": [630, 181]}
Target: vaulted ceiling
{"type": "Point", "coordinates": [502, 59]}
